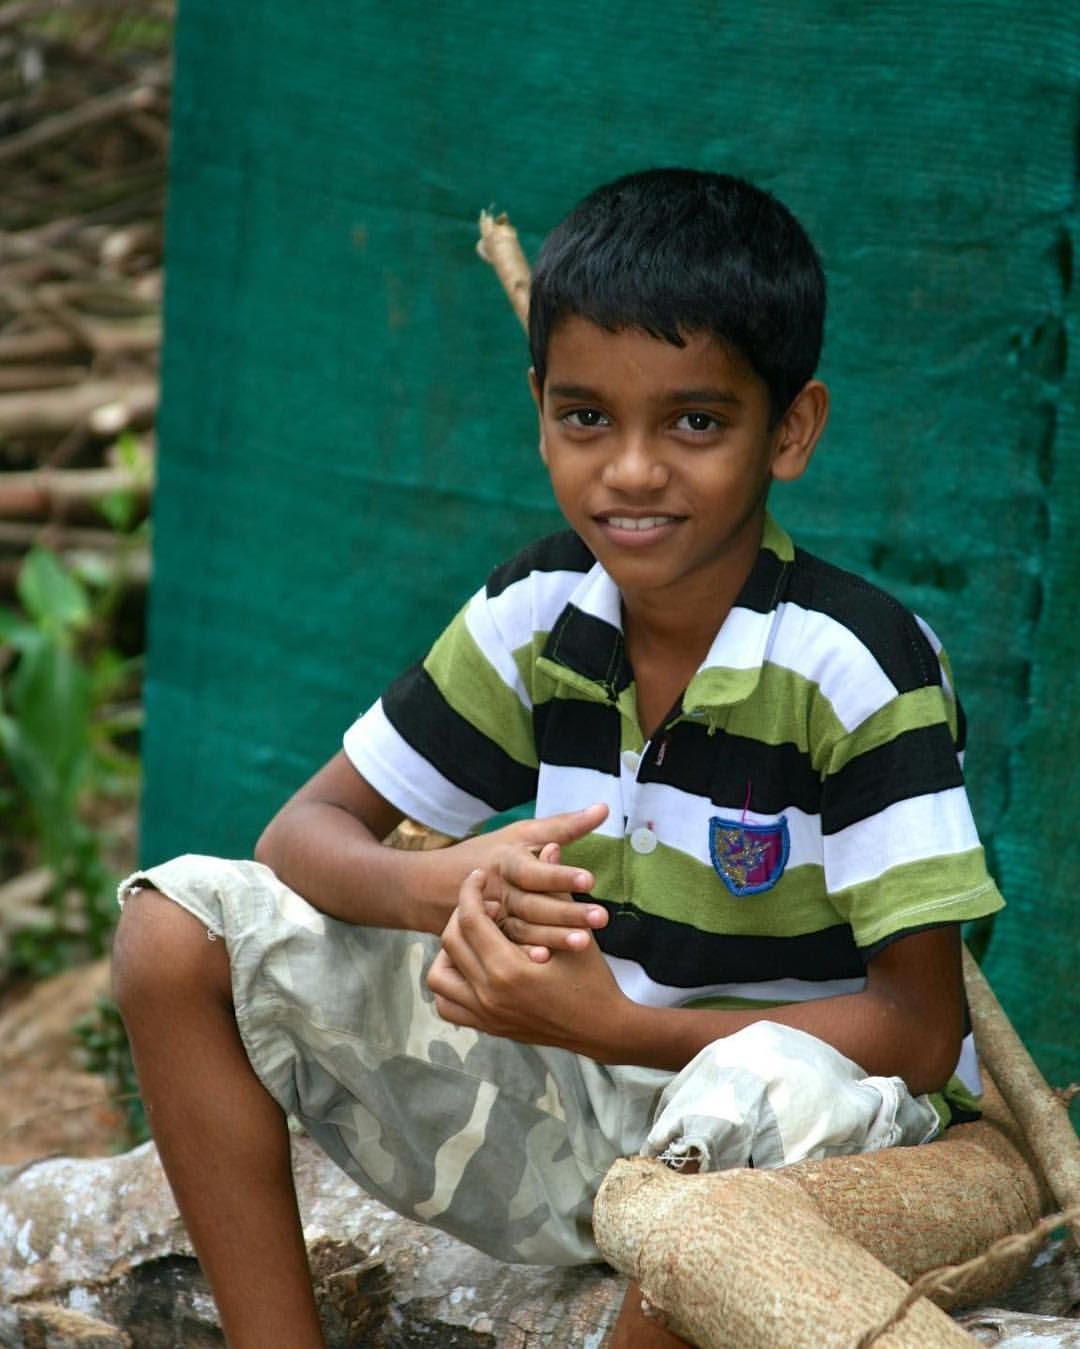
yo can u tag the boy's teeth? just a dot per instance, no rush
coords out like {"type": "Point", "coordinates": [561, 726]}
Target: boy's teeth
{"type": "Point", "coordinates": [638, 522]}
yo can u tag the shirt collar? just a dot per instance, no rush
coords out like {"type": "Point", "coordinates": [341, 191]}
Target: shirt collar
{"type": "Point", "coordinates": [586, 649]}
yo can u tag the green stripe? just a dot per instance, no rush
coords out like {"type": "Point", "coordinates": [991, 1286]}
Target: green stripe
{"type": "Point", "coordinates": [477, 693]}
{"type": "Point", "coordinates": [950, 703]}
{"type": "Point", "coordinates": [787, 709]}
{"type": "Point", "coordinates": [525, 658]}
{"type": "Point", "coordinates": [670, 884]}
{"type": "Point", "coordinates": [776, 538]}
{"type": "Point", "coordinates": [896, 900]}
{"type": "Point", "coordinates": [906, 712]}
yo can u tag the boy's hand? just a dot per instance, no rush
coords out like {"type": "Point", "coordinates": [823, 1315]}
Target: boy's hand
{"type": "Point", "coordinates": [528, 893]}
{"type": "Point", "coordinates": [482, 979]}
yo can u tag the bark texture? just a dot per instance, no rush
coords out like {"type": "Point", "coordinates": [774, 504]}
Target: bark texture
{"type": "Point", "coordinates": [818, 1254]}
{"type": "Point", "coordinates": [92, 1253]}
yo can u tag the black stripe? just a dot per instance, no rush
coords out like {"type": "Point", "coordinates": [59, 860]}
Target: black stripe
{"type": "Point", "coordinates": [591, 647]}
{"type": "Point", "coordinates": [916, 763]}
{"type": "Point", "coordinates": [556, 552]}
{"type": "Point", "coordinates": [682, 957]}
{"type": "Point", "coordinates": [426, 721]}
{"type": "Point", "coordinates": [879, 621]}
{"type": "Point", "coordinates": [726, 768]}
{"type": "Point", "coordinates": [876, 948]}
{"type": "Point", "coordinates": [761, 589]}
{"type": "Point", "coordinates": [576, 733]}
{"type": "Point", "coordinates": [961, 727]}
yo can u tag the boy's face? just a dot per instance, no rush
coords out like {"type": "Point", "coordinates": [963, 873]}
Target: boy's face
{"type": "Point", "coordinates": [661, 456]}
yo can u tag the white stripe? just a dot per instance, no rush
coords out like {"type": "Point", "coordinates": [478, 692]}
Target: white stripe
{"type": "Point", "coordinates": [935, 642]}
{"type": "Point", "coordinates": [407, 780]}
{"type": "Point", "coordinates": [637, 986]}
{"type": "Point", "coordinates": [486, 635]}
{"type": "Point", "coordinates": [598, 595]}
{"type": "Point", "coordinates": [531, 605]}
{"type": "Point", "coordinates": [679, 819]}
{"type": "Point", "coordinates": [561, 789]}
{"type": "Point", "coordinates": [915, 830]}
{"type": "Point", "coordinates": [741, 641]}
{"type": "Point", "coordinates": [829, 654]}
{"type": "Point", "coordinates": [682, 819]}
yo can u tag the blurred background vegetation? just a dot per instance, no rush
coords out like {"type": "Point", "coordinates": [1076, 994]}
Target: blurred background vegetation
{"type": "Point", "coordinates": [84, 105]}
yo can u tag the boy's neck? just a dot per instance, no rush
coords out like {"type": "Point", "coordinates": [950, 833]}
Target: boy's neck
{"type": "Point", "coordinates": [658, 621]}
{"type": "Point", "coordinates": [669, 636]}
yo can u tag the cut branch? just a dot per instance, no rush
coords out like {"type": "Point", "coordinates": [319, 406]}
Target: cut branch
{"type": "Point", "coordinates": [499, 246]}
{"type": "Point", "coordinates": [105, 107]}
{"type": "Point", "coordinates": [106, 406]}
{"type": "Point", "coordinates": [48, 490]}
{"type": "Point", "coordinates": [1039, 1111]}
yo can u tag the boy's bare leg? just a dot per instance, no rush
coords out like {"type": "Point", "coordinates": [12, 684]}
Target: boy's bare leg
{"type": "Point", "coordinates": [635, 1330]}
{"type": "Point", "coordinates": [222, 1138]}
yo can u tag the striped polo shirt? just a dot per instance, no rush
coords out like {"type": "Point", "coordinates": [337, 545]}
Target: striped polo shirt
{"type": "Point", "coordinates": [801, 806]}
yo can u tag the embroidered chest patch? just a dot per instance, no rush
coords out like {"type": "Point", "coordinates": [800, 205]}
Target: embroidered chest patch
{"type": "Point", "coordinates": [748, 858]}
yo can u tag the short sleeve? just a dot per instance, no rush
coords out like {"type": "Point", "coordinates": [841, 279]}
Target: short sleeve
{"type": "Point", "coordinates": [450, 741]}
{"type": "Point", "coordinates": [900, 846]}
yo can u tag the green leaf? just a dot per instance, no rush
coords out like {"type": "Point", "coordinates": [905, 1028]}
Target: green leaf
{"type": "Point", "coordinates": [119, 509]}
{"type": "Point", "coordinates": [50, 594]}
{"type": "Point", "coordinates": [50, 702]}
{"type": "Point", "coordinates": [15, 631]}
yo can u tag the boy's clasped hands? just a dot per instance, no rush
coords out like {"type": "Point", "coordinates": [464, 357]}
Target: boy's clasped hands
{"type": "Point", "coordinates": [518, 958]}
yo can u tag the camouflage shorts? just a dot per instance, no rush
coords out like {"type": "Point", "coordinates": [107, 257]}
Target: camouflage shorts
{"type": "Point", "coordinates": [499, 1143]}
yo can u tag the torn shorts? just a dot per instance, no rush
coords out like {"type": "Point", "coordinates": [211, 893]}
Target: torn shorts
{"type": "Point", "coordinates": [499, 1143]}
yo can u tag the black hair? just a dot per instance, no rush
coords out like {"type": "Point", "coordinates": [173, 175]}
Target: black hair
{"type": "Point", "coordinates": [679, 251]}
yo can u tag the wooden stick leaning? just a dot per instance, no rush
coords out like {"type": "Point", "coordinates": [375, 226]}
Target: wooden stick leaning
{"type": "Point", "coordinates": [498, 245]}
{"type": "Point", "coordinates": [1041, 1115]}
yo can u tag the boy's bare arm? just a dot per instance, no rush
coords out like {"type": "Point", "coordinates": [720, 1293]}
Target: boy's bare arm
{"type": "Point", "coordinates": [907, 1022]}
{"type": "Point", "coordinates": [326, 843]}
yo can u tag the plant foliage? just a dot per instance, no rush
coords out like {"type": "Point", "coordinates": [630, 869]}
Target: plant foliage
{"type": "Point", "coordinates": [66, 736]}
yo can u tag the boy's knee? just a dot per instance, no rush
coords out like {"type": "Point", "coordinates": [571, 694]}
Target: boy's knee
{"type": "Point", "coordinates": [160, 951]}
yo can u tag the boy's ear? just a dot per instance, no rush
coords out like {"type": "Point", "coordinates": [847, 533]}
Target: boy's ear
{"type": "Point", "coordinates": [538, 398]}
{"type": "Point", "coordinates": [799, 431]}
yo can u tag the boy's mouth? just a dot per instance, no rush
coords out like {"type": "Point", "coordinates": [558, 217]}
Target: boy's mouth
{"type": "Point", "coordinates": [636, 531]}
{"type": "Point", "coordinates": [637, 522]}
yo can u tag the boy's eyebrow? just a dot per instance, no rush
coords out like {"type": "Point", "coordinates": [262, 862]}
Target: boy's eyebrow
{"type": "Point", "coordinates": [704, 395]}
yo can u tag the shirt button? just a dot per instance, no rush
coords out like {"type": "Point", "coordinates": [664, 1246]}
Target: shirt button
{"type": "Point", "coordinates": [630, 760]}
{"type": "Point", "coordinates": [643, 841]}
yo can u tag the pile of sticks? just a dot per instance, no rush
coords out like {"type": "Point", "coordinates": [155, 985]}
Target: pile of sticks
{"type": "Point", "coordinates": [84, 104]}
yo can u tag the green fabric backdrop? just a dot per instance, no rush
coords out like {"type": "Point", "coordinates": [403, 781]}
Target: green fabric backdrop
{"type": "Point", "coordinates": [347, 442]}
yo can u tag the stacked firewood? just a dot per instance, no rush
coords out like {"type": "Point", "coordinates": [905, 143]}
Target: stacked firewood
{"type": "Point", "coordinates": [84, 101]}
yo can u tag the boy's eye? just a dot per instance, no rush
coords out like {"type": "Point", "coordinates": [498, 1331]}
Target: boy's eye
{"type": "Point", "coordinates": [584, 418]}
{"type": "Point", "coordinates": [698, 422]}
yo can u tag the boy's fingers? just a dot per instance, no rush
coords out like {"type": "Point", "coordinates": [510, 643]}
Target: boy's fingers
{"type": "Point", "coordinates": [550, 938]}
{"type": "Point", "coordinates": [529, 909]}
{"type": "Point", "coordinates": [530, 873]}
{"type": "Point", "coordinates": [571, 825]}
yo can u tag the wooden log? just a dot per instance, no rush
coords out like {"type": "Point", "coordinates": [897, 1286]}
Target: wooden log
{"type": "Point", "coordinates": [693, 1242]}
{"type": "Point", "coordinates": [107, 406]}
{"type": "Point", "coordinates": [45, 490]}
{"type": "Point", "coordinates": [916, 1209]}
{"type": "Point", "coordinates": [90, 112]}
{"type": "Point", "coordinates": [20, 378]}
{"type": "Point", "coordinates": [744, 1260]}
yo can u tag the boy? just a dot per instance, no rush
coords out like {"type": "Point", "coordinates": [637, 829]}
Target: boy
{"type": "Point", "coordinates": [731, 934]}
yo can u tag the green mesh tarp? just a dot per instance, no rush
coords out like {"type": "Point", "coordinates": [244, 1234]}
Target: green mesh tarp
{"type": "Point", "coordinates": [347, 442]}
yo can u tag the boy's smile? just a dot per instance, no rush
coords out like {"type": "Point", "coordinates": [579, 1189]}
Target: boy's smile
{"type": "Point", "coordinates": [661, 459]}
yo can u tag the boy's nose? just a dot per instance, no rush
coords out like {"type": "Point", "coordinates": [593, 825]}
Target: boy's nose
{"type": "Point", "coordinates": [635, 466]}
